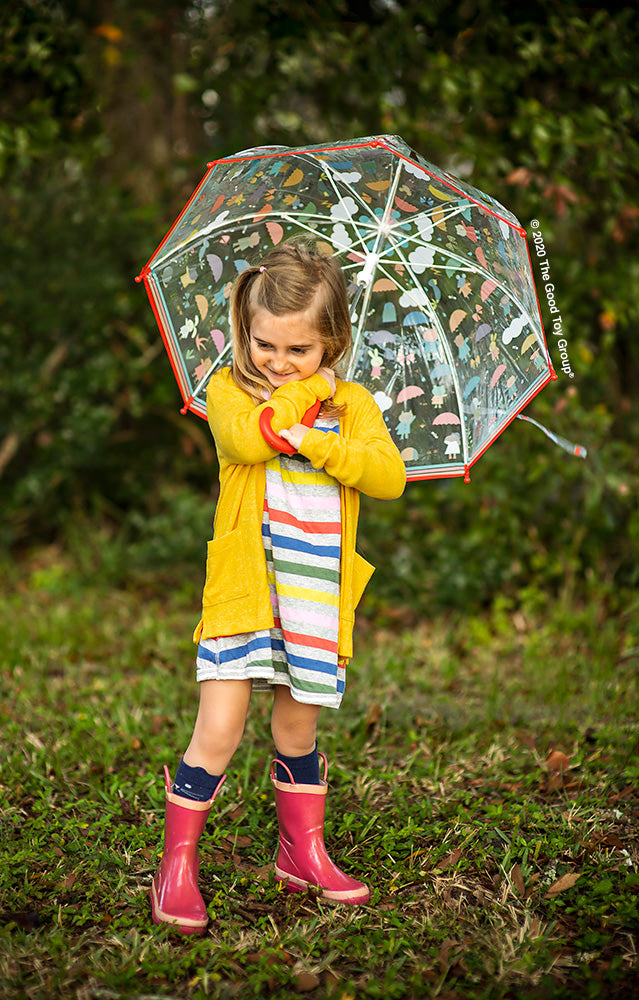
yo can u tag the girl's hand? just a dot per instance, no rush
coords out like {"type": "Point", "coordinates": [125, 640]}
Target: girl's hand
{"type": "Point", "coordinates": [329, 375]}
{"type": "Point", "coordinates": [294, 435]}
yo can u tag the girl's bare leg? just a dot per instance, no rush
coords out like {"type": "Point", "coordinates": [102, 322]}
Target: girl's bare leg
{"type": "Point", "coordinates": [293, 725]}
{"type": "Point", "coordinates": [219, 724]}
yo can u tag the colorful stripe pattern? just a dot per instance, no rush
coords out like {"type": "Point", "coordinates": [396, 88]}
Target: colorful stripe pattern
{"type": "Point", "coordinates": [301, 530]}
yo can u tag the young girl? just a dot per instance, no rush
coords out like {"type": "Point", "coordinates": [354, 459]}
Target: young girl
{"type": "Point", "coordinates": [283, 577]}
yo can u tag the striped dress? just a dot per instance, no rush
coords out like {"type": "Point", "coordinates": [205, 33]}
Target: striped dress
{"type": "Point", "coordinates": [301, 531]}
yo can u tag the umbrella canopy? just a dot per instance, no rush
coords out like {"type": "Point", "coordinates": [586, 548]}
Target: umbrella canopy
{"type": "Point", "coordinates": [447, 331]}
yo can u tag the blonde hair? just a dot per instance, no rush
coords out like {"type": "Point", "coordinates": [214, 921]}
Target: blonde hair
{"type": "Point", "coordinates": [291, 279]}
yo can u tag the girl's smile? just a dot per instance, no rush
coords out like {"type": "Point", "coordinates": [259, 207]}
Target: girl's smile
{"type": "Point", "coordinates": [285, 348]}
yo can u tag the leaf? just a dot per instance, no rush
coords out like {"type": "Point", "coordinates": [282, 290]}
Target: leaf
{"type": "Point", "coordinates": [557, 760]}
{"type": "Point", "coordinates": [517, 880]}
{"type": "Point", "coordinates": [450, 859]}
{"type": "Point", "coordinates": [565, 882]}
{"type": "Point", "coordinates": [612, 840]}
{"type": "Point", "coordinates": [111, 32]}
{"type": "Point", "coordinates": [555, 782]}
{"type": "Point", "coordinates": [260, 872]}
{"type": "Point", "coordinates": [232, 841]}
{"type": "Point", "coordinates": [306, 981]}
{"type": "Point", "coordinates": [236, 812]}
{"type": "Point", "coordinates": [26, 920]}
{"type": "Point", "coordinates": [520, 176]}
{"type": "Point", "coordinates": [373, 716]}
{"type": "Point", "coordinates": [444, 951]}
{"type": "Point", "coordinates": [532, 881]}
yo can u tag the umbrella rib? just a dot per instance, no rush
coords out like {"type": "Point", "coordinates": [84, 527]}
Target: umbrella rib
{"type": "Point", "coordinates": [411, 237]}
{"type": "Point", "coordinates": [436, 322]}
{"type": "Point", "coordinates": [330, 176]}
{"type": "Point", "coordinates": [357, 249]}
{"type": "Point", "coordinates": [198, 388]}
{"type": "Point", "coordinates": [418, 239]}
{"type": "Point", "coordinates": [287, 216]}
{"type": "Point", "coordinates": [208, 230]}
{"type": "Point", "coordinates": [356, 196]}
{"type": "Point", "coordinates": [462, 264]}
{"type": "Point", "coordinates": [446, 348]}
{"type": "Point", "coordinates": [382, 232]}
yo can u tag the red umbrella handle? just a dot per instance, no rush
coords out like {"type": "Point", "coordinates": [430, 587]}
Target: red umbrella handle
{"type": "Point", "coordinates": [274, 439]}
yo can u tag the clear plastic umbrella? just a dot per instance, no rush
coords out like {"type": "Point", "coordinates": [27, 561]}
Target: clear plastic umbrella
{"type": "Point", "coordinates": [447, 331]}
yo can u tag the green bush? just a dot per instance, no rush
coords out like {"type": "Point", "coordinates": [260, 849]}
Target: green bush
{"type": "Point", "coordinates": [102, 141]}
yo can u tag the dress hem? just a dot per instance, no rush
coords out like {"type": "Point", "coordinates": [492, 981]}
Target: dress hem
{"type": "Point", "coordinates": [265, 684]}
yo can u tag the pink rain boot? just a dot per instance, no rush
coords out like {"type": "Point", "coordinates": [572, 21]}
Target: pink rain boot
{"type": "Point", "coordinates": [175, 897]}
{"type": "Point", "coordinates": [302, 861]}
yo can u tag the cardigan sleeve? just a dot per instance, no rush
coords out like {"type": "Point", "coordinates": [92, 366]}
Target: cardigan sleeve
{"type": "Point", "coordinates": [234, 417]}
{"type": "Point", "coordinates": [364, 457]}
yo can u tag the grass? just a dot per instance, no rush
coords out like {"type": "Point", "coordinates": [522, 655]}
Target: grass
{"type": "Point", "coordinates": [498, 870]}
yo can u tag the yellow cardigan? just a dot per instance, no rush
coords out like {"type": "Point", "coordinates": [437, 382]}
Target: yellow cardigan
{"type": "Point", "coordinates": [362, 458]}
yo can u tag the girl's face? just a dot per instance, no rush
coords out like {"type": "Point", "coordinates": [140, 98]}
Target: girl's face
{"type": "Point", "coordinates": [285, 348]}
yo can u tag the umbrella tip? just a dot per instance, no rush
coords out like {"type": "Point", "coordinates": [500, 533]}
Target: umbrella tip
{"type": "Point", "coordinates": [466, 474]}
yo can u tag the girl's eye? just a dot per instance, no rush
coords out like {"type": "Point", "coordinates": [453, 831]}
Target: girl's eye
{"type": "Point", "coordinates": [300, 350]}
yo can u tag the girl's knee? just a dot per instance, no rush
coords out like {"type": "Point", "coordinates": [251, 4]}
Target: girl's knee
{"type": "Point", "coordinates": [293, 726]}
{"type": "Point", "coordinates": [213, 748]}
{"type": "Point", "coordinates": [221, 718]}
{"type": "Point", "coordinates": [223, 738]}
{"type": "Point", "coordinates": [293, 743]}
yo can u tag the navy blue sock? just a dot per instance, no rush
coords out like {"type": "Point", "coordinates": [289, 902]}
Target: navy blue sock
{"type": "Point", "coordinates": [195, 782]}
{"type": "Point", "coordinates": [305, 770]}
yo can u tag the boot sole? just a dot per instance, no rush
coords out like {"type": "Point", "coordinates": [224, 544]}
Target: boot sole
{"type": "Point", "coordinates": [184, 925]}
{"type": "Point", "coordinates": [356, 897]}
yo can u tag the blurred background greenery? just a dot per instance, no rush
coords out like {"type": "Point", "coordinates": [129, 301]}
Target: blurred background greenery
{"type": "Point", "coordinates": [109, 113]}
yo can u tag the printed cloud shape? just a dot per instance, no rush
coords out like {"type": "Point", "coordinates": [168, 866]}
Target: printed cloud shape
{"type": "Point", "coordinates": [341, 238]}
{"type": "Point", "coordinates": [413, 168]}
{"type": "Point", "coordinates": [513, 329]}
{"type": "Point", "coordinates": [345, 209]}
{"type": "Point", "coordinates": [424, 224]}
{"type": "Point", "coordinates": [413, 297]}
{"type": "Point", "coordinates": [347, 176]}
{"type": "Point", "coordinates": [421, 258]}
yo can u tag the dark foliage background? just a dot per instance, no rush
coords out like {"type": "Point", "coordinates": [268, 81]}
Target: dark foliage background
{"type": "Point", "coordinates": [108, 114]}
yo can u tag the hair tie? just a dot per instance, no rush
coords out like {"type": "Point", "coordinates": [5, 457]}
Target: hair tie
{"type": "Point", "coordinates": [262, 268]}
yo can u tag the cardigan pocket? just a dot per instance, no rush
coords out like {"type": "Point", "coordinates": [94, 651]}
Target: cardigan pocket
{"type": "Point", "coordinates": [227, 576]}
{"type": "Point", "coordinates": [362, 572]}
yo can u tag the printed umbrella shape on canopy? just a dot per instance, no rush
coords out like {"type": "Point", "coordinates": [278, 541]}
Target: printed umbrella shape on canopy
{"type": "Point", "coordinates": [447, 331]}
